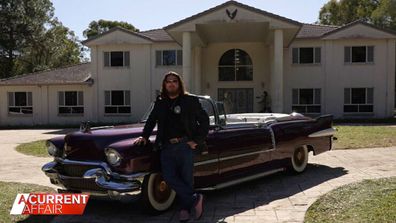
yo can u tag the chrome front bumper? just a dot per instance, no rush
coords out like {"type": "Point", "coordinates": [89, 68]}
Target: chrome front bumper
{"type": "Point", "coordinates": [97, 178]}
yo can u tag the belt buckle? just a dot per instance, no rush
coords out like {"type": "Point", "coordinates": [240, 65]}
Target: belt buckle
{"type": "Point", "coordinates": [174, 140]}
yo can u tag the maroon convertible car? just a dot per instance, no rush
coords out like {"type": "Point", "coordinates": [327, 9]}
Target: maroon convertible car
{"type": "Point", "coordinates": [240, 147]}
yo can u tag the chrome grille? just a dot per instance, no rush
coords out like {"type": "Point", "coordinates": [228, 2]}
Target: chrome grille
{"type": "Point", "coordinates": [74, 170]}
{"type": "Point", "coordinates": [82, 184]}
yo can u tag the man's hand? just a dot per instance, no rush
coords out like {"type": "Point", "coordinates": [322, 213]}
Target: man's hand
{"type": "Point", "coordinates": [139, 141]}
{"type": "Point", "coordinates": [192, 144]}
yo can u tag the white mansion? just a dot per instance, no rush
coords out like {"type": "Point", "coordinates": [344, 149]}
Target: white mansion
{"type": "Point", "coordinates": [233, 52]}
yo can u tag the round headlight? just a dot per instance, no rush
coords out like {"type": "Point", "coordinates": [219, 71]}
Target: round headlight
{"type": "Point", "coordinates": [113, 157]}
{"type": "Point", "coordinates": [51, 148]}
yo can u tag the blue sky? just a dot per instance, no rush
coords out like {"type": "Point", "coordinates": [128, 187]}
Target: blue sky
{"type": "Point", "coordinates": [151, 14]}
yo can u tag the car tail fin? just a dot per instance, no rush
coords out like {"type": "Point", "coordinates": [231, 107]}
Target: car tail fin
{"type": "Point", "coordinates": [325, 120]}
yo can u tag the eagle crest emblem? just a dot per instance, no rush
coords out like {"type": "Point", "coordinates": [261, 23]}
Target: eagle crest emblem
{"type": "Point", "coordinates": [231, 15]}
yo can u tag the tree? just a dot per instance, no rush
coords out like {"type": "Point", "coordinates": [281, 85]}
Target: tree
{"type": "Point", "coordinates": [31, 39]}
{"type": "Point", "coordinates": [20, 23]}
{"type": "Point", "coordinates": [57, 47]}
{"type": "Point", "coordinates": [342, 12]}
{"type": "Point", "coordinates": [385, 14]}
{"type": "Point", "coordinates": [101, 26]}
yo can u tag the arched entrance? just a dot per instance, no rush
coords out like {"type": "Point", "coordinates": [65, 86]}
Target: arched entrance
{"type": "Point", "coordinates": [236, 65]}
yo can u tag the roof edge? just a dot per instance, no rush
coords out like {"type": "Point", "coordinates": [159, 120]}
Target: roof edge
{"type": "Point", "coordinates": [248, 7]}
{"type": "Point", "coordinates": [42, 71]}
{"type": "Point", "coordinates": [359, 22]}
{"type": "Point", "coordinates": [117, 28]}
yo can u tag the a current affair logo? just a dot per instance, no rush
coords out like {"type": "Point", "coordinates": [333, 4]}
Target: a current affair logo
{"type": "Point", "coordinates": [49, 204]}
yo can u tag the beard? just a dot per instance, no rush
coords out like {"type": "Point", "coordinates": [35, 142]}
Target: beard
{"type": "Point", "coordinates": [173, 92]}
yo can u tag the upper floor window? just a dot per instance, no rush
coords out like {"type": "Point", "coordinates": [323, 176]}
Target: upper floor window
{"type": "Point", "coordinates": [358, 100]}
{"type": "Point", "coordinates": [117, 102]}
{"type": "Point", "coordinates": [307, 55]}
{"type": "Point", "coordinates": [359, 54]}
{"type": "Point", "coordinates": [116, 59]}
{"type": "Point", "coordinates": [168, 58]}
{"type": "Point", "coordinates": [235, 65]}
{"type": "Point", "coordinates": [20, 103]}
{"type": "Point", "coordinates": [70, 102]}
{"type": "Point", "coordinates": [306, 100]}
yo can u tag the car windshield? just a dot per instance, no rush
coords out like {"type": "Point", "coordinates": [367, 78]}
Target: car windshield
{"type": "Point", "coordinates": [208, 107]}
{"type": "Point", "coordinates": [146, 115]}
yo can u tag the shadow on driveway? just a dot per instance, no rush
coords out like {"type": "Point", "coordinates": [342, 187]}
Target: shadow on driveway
{"type": "Point", "coordinates": [218, 204]}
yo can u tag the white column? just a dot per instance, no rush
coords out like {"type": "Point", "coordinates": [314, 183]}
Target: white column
{"type": "Point", "coordinates": [187, 60]}
{"type": "Point", "coordinates": [197, 70]}
{"type": "Point", "coordinates": [277, 74]}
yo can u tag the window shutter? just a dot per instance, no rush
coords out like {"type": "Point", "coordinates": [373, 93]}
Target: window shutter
{"type": "Point", "coordinates": [347, 54]}
{"type": "Point", "coordinates": [347, 96]}
{"type": "Point", "coordinates": [61, 98]}
{"type": "Point", "coordinates": [179, 57]}
{"type": "Point", "coordinates": [126, 59]}
{"type": "Point", "coordinates": [318, 55]}
{"type": "Point", "coordinates": [107, 98]}
{"type": "Point", "coordinates": [80, 98]}
{"type": "Point", "coordinates": [127, 98]}
{"type": "Point", "coordinates": [370, 95]}
{"type": "Point", "coordinates": [317, 96]}
{"type": "Point", "coordinates": [29, 99]}
{"type": "Point", "coordinates": [11, 99]}
{"type": "Point", "coordinates": [370, 54]}
{"type": "Point", "coordinates": [106, 59]}
{"type": "Point", "coordinates": [295, 55]}
{"type": "Point", "coordinates": [158, 57]}
{"type": "Point", "coordinates": [295, 97]}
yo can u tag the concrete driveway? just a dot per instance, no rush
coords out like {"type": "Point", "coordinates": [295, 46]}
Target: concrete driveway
{"type": "Point", "coordinates": [277, 198]}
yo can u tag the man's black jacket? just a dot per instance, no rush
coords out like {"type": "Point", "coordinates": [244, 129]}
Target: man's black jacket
{"type": "Point", "coordinates": [193, 116]}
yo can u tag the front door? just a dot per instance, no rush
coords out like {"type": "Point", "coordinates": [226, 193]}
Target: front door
{"type": "Point", "coordinates": [236, 100]}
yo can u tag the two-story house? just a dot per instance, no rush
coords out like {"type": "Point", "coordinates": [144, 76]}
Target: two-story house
{"type": "Point", "coordinates": [234, 53]}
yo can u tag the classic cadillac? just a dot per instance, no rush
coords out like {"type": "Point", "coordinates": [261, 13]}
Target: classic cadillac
{"type": "Point", "coordinates": [240, 147]}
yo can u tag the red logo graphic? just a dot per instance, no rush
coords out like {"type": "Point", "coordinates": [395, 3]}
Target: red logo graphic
{"type": "Point", "coordinates": [49, 204]}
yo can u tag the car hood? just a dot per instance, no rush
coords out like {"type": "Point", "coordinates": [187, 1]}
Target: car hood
{"type": "Point", "coordinates": [90, 145]}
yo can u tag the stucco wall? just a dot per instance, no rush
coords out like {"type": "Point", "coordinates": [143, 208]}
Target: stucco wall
{"type": "Point", "coordinates": [333, 75]}
{"type": "Point", "coordinates": [134, 78]}
{"type": "Point", "coordinates": [45, 105]}
{"type": "Point", "coordinates": [142, 78]}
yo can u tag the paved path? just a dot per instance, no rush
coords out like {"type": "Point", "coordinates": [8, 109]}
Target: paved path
{"type": "Point", "coordinates": [277, 198]}
{"type": "Point", "coordinates": [18, 167]}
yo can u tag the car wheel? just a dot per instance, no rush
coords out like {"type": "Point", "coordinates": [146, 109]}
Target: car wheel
{"type": "Point", "coordinates": [157, 196]}
{"type": "Point", "coordinates": [299, 160]}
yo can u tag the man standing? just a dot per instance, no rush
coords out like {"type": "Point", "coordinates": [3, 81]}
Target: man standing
{"type": "Point", "coordinates": [183, 126]}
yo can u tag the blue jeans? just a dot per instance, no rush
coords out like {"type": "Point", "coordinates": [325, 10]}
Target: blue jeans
{"type": "Point", "coordinates": [177, 163]}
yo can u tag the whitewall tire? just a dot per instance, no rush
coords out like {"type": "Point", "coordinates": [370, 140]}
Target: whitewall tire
{"type": "Point", "coordinates": [299, 159]}
{"type": "Point", "coordinates": [157, 196]}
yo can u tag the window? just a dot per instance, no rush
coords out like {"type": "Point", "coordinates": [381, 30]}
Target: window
{"type": "Point", "coordinates": [20, 103]}
{"type": "Point", "coordinates": [70, 102]}
{"type": "Point", "coordinates": [116, 59]}
{"type": "Point", "coordinates": [168, 58]}
{"type": "Point", "coordinates": [117, 102]}
{"type": "Point", "coordinates": [306, 100]}
{"type": "Point", "coordinates": [307, 55]}
{"type": "Point", "coordinates": [359, 54]}
{"type": "Point", "coordinates": [235, 65]}
{"type": "Point", "coordinates": [358, 100]}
